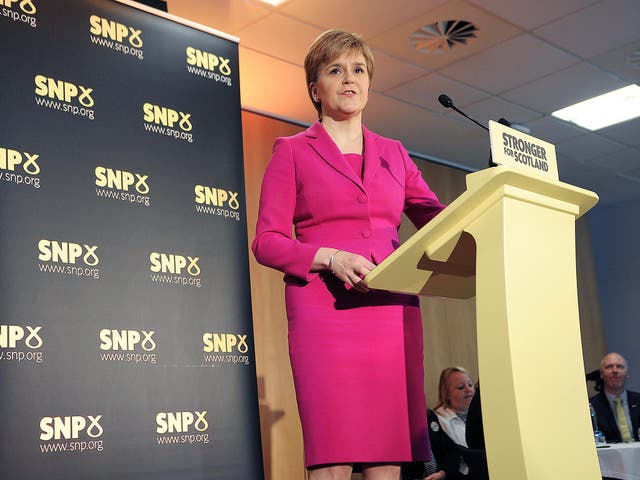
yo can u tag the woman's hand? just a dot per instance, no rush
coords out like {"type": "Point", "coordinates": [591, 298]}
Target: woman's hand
{"type": "Point", "coordinates": [350, 268]}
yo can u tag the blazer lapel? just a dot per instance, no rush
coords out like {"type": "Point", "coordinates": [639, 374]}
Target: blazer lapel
{"type": "Point", "coordinates": [326, 148]}
{"type": "Point", "coordinates": [372, 159]}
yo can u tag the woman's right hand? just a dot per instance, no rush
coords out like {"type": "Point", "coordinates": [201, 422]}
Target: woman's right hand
{"type": "Point", "coordinates": [349, 267]}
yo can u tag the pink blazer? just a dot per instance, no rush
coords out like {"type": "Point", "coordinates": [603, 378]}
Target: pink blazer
{"type": "Point", "coordinates": [310, 185]}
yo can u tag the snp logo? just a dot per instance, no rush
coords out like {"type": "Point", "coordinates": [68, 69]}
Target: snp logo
{"type": "Point", "coordinates": [208, 61]}
{"type": "Point", "coordinates": [63, 91]}
{"type": "Point", "coordinates": [181, 422]}
{"type": "Point", "coordinates": [11, 335]}
{"type": "Point", "coordinates": [67, 252]}
{"type": "Point", "coordinates": [172, 263]}
{"type": "Point", "coordinates": [167, 117]}
{"type": "Point", "coordinates": [27, 6]}
{"type": "Point", "coordinates": [127, 340]}
{"type": "Point", "coordinates": [121, 180]}
{"type": "Point", "coordinates": [216, 196]}
{"type": "Point", "coordinates": [59, 428]}
{"type": "Point", "coordinates": [224, 342]}
{"type": "Point", "coordinates": [115, 31]}
{"type": "Point", "coordinates": [11, 159]}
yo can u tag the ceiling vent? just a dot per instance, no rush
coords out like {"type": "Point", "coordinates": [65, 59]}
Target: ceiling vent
{"type": "Point", "coordinates": [440, 37]}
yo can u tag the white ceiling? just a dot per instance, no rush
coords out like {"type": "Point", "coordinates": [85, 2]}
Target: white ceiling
{"type": "Point", "coordinates": [529, 59]}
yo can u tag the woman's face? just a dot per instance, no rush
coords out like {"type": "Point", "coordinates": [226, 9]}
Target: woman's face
{"type": "Point", "coordinates": [342, 87]}
{"type": "Point", "coordinates": [460, 391]}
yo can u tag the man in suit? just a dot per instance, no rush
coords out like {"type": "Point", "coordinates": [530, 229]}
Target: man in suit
{"type": "Point", "coordinates": [617, 409]}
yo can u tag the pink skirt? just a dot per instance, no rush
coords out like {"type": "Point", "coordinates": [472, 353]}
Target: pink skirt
{"type": "Point", "coordinates": [357, 361]}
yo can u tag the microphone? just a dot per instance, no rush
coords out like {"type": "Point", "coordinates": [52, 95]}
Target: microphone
{"type": "Point", "coordinates": [446, 102]}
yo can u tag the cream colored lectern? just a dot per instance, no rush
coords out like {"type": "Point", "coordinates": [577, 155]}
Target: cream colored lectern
{"type": "Point", "coordinates": [510, 241]}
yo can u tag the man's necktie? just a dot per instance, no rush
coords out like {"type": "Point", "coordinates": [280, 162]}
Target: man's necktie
{"type": "Point", "coordinates": [625, 432]}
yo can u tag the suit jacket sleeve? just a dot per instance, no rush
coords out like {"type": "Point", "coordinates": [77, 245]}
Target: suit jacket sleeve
{"type": "Point", "coordinates": [421, 204]}
{"type": "Point", "coordinates": [634, 411]}
{"type": "Point", "coordinates": [605, 418]}
{"type": "Point", "coordinates": [274, 245]}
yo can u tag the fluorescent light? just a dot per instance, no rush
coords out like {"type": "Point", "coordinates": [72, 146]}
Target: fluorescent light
{"type": "Point", "coordinates": [604, 110]}
{"type": "Point", "coordinates": [275, 3]}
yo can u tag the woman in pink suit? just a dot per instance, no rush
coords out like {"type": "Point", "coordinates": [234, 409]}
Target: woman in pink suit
{"type": "Point", "coordinates": [356, 355]}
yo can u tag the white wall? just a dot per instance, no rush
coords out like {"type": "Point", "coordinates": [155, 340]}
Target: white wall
{"type": "Point", "coordinates": [615, 235]}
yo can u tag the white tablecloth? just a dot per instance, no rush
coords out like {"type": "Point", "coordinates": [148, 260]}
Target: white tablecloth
{"type": "Point", "coordinates": [620, 460]}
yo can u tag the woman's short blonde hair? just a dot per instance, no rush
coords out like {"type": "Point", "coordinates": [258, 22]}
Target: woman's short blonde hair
{"type": "Point", "coordinates": [443, 385]}
{"type": "Point", "coordinates": [329, 46]}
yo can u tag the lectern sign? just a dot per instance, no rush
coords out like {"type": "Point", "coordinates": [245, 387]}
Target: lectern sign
{"type": "Point", "coordinates": [513, 148]}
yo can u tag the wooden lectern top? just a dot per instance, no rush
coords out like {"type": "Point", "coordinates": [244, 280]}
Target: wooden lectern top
{"type": "Point", "coordinates": [439, 259]}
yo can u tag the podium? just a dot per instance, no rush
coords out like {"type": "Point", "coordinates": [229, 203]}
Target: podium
{"type": "Point", "coordinates": [510, 241]}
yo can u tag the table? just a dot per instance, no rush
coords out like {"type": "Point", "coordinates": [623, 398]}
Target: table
{"type": "Point", "coordinates": [620, 460]}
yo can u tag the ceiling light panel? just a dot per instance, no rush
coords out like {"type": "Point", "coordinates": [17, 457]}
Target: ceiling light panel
{"type": "Point", "coordinates": [604, 110]}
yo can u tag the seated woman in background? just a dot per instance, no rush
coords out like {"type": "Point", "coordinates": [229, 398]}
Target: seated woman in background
{"type": "Point", "coordinates": [455, 392]}
{"type": "Point", "coordinates": [452, 459]}
{"type": "Point", "coordinates": [447, 423]}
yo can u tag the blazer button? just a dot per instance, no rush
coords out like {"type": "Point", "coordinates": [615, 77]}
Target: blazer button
{"type": "Point", "coordinates": [366, 233]}
{"type": "Point", "coordinates": [362, 198]}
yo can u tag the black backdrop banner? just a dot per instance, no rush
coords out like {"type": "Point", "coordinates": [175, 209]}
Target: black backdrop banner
{"type": "Point", "coordinates": [126, 342]}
